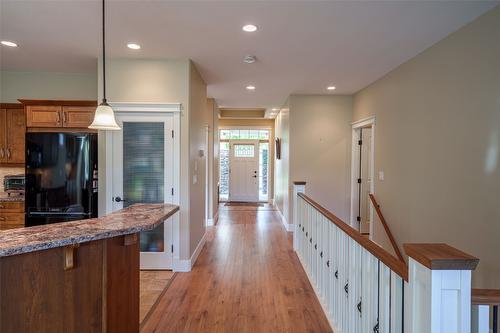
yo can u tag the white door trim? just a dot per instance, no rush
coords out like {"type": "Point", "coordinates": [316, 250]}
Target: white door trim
{"type": "Point", "coordinates": [356, 126]}
{"type": "Point", "coordinates": [175, 109]}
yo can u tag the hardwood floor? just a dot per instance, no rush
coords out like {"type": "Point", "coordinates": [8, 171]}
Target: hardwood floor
{"type": "Point", "coordinates": [246, 279]}
{"type": "Point", "coordinates": [152, 285]}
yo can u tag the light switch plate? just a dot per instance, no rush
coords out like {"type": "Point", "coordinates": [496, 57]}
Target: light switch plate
{"type": "Point", "coordinates": [380, 175]}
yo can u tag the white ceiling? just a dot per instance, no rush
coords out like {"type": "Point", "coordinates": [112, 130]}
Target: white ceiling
{"type": "Point", "coordinates": [301, 46]}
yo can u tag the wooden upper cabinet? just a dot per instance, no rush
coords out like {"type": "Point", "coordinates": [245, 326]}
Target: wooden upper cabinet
{"type": "Point", "coordinates": [12, 134]}
{"type": "Point", "coordinates": [56, 114]}
{"type": "Point", "coordinates": [44, 116]}
{"type": "Point", "coordinates": [3, 135]}
{"type": "Point", "coordinates": [78, 116]}
{"type": "Point", "coordinates": [16, 129]}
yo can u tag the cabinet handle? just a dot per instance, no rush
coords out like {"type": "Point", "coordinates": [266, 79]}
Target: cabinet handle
{"type": "Point", "coordinates": [58, 117]}
{"type": "Point", "coordinates": [2, 218]}
{"type": "Point", "coordinates": [8, 153]}
{"type": "Point", "coordinates": [64, 117]}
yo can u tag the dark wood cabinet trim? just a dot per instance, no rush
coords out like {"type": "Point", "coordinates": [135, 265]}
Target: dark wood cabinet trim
{"type": "Point", "coordinates": [43, 102]}
{"type": "Point", "coordinates": [11, 106]}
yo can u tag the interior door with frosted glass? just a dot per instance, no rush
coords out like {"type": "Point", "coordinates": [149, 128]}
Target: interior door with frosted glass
{"type": "Point", "coordinates": [244, 171]}
{"type": "Point", "coordinates": [142, 173]}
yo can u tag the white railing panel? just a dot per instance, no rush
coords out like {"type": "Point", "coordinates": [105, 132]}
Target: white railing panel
{"type": "Point", "coordinates": [396, 303]}
{"type": "Point", "coordinates": [384, 299]}
{"type": "Point", "coordinates": [354, 289]}
{"type": "Point", "coordinates": [369, 291]}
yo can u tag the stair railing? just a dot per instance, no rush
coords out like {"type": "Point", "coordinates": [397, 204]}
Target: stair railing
{"type": "Point", "coordinates": [363, 288]}
{"type": "Point", "coordinates": [386, 227]}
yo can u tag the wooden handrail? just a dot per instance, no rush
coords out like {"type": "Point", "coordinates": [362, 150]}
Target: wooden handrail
{"type": "Point", "coordinates": [486, 296]}
{"type": "Point", "coordinates": [386, 227]}
{"type": "Point", "coordinates": [396, 265]}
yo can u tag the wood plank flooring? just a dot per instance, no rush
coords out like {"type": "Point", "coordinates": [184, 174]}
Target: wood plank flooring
{"type": "Point", "coordinates": [152, 285]}
{"type": "Point", "coordinates": [247, 279]}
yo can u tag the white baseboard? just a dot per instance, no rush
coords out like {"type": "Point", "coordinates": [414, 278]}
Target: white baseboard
{"type": "Point", "coordinates": [181, 265]}
{"type": "Point", "coordinates": [186, 265]}
{"type": "Point", "coordinates": [288, 227]}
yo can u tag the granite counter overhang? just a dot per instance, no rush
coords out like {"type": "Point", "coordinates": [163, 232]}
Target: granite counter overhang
{"type": "Point", "coordinates": [133, 219]}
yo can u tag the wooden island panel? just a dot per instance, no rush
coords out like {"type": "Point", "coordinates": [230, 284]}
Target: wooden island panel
{"type": "Point", "coordinates": [122, 274]}
{"type": "Point", "coordinates": [38, 295]}
{"type": "Point", "coordinates": [79, 276]}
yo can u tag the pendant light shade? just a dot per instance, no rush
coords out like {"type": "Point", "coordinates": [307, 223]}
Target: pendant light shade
{"type": "Point", "coordinates": [104, 117]}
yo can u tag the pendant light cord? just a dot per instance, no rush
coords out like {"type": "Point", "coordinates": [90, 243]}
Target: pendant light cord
{"type": "Point", "coordinates": [104, 50]}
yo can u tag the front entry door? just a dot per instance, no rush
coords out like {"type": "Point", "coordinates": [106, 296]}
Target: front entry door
{"type": "Point", "coordinates": [143, 173]}
{"type": "Point", "coordinates": [244, 170]}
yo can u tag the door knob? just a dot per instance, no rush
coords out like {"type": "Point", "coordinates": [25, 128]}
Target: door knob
{"type": "Point", "coordinates": [254, 176]}
{"type": "Point", "coordinates": [118, 199]}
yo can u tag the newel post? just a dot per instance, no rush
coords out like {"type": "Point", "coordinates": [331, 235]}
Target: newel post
{"type": "Point", "coordinates": [298, 187]}
{"type": "Point", "coordinates": [439, 288]}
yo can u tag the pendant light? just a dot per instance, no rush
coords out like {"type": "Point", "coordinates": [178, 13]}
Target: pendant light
{"type": "Point", "coordinates": [104, 118]}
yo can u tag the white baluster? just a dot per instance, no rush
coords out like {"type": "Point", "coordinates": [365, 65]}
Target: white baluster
{"type": "Point", "coordinates": [396, 303]}
{"type": "Point", "coordinates": [384, 298]}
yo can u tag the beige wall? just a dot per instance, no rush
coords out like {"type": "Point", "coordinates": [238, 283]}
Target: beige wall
{"type": "Point", "coordinates": [438, 141]}
{"type": "Point", "coordinates": [47, 85]}
{"type": "Point", "coordinates": [198, 127]}
{"type": "Point", "coordinates": [281, 169]}
{"type": "Point", "coordinates": [160, 80]}
{"type": "Point", "coordinates": [320, 150]}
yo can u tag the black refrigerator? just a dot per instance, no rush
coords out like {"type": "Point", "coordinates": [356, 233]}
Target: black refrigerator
{"type": "Point", "coordinates": [61, 177]}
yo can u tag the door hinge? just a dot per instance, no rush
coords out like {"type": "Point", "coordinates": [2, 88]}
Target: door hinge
{"type": "Point", "coordinates": [172, 134]}
{"type": "Point", "coordinates": [359, 180]}
{"type": "Point", "coordinates": [172, 191]}
{"type": "Point", "coordinates": [360, 142]}
{"type": "Point", "coordinates": [358, 218]}
{"type": "Point", "coordinates": [172, 248]}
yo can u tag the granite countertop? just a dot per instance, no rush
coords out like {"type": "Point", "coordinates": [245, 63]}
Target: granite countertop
{"type": "Point", "coordinates": [133, 219]}
{"type": "Point", "coordinates": [14, 198]}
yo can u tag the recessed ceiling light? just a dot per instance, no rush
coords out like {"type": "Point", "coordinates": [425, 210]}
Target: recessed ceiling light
{"type": "Point", "coordinates": [8, 43]}
{"type": "Point", "coordinates": [133, 46]}
{"type": "Point", "coordinates": [249, 28]}
{"type": "Point", "coordinates": [249, 59]}
{"type": "Point", "coordinates": [331, 88]}
{"type": "Point", "coordinates": [250, 87]}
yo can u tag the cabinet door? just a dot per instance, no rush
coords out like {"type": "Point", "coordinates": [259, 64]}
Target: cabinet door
{"type": "Point", "coordinates": [3, 136]}
{"type": "Point", "coordinates": [11, 220]}
{"type": "Point", "coordinates": [16, 129]}
{"type": "Point", "coordinates": [43, 116]}
{"type": "Point", "coordinates": [78, 116]}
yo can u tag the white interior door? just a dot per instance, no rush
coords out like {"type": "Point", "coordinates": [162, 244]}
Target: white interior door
{"type": "Point", "coordinates": [244, 170]}
{"type": "Point", "coordinates": [365, 186]}
{"type": "Point", "coordinates": [143, 173]}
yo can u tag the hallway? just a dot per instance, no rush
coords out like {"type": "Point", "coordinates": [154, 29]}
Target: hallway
{"type": "Point", "coordinates": [247, 279]}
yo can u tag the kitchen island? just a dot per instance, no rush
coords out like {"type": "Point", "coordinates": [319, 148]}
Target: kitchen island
{"type": "Point", "coordinates": [80, 276]}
